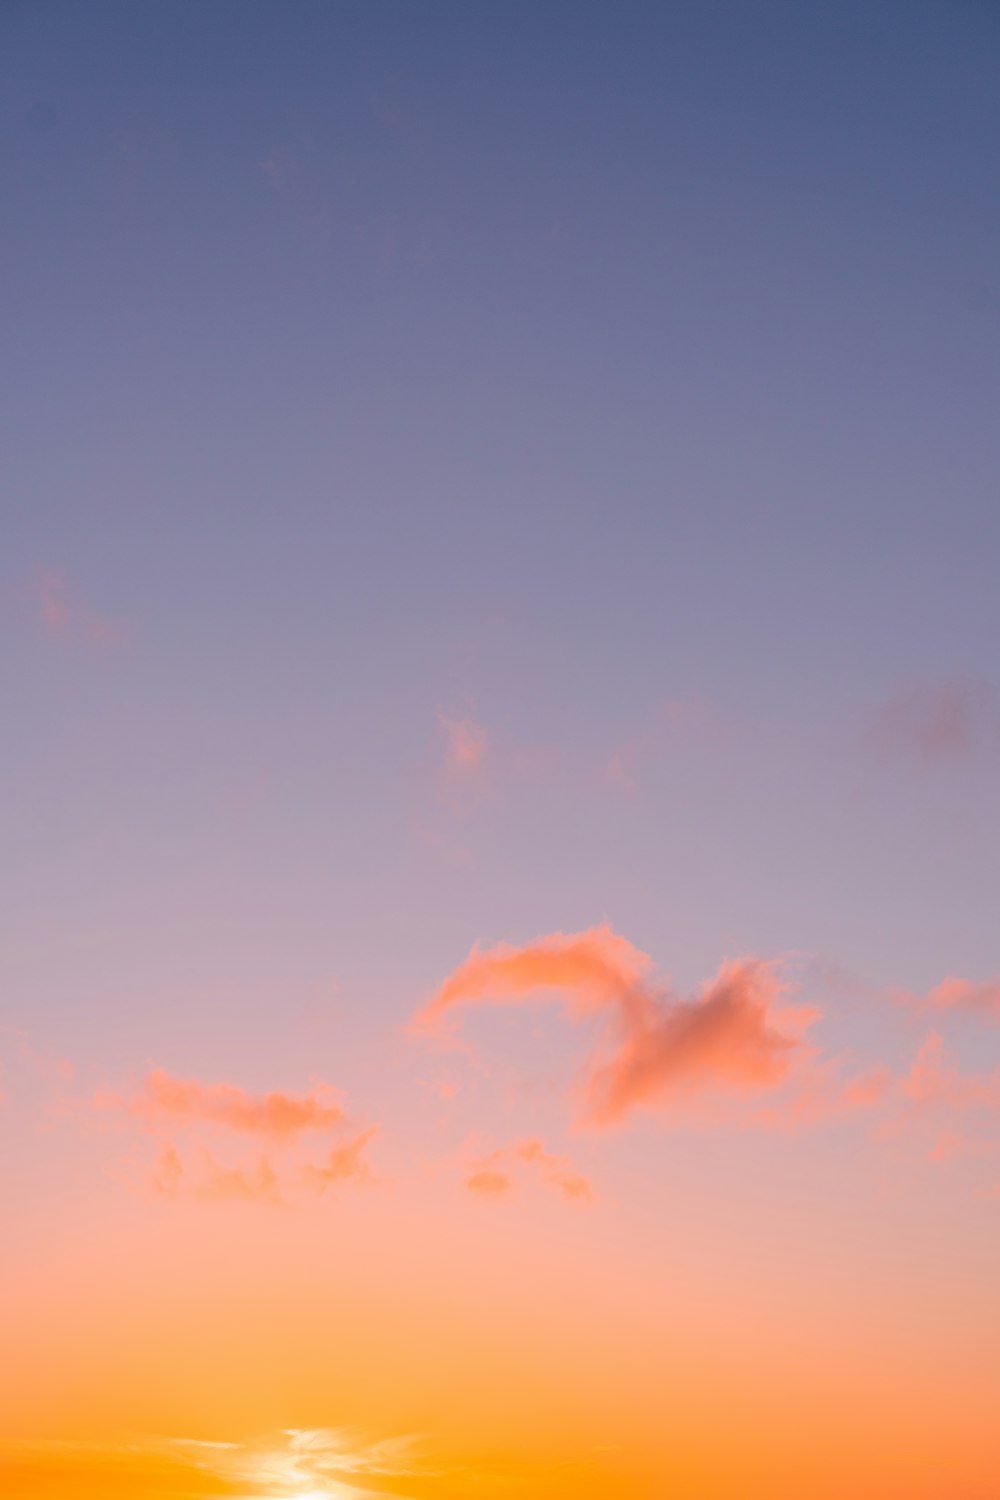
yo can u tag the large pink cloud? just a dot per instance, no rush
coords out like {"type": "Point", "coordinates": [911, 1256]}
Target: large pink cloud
{"type": "Point", "coordinates": [736, 1033]}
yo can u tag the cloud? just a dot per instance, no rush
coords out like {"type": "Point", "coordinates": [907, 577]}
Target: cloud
{"type": "Point", "coordinates": [466, 746]}
{"type": "Point", "coordinates": [935, 724]}
{"type": "Point", "coordinates": [488, 1182]}
{"type": "Point", "coordinates": [946, 1108]}
{"type": "Point", "coordinates": [258, 1183]}
{"type": "Point", "coordinates": [821, 1092]}
{"type": "Point", "coordinates": [935, 1080]}
{"type": "Point", "coordinates": [63, 617]}
{"type": "Point", "coordinates": [213, 1181]}
{"type": "Point", "coordinates": [342, 1163]}
{"type": "Point", "coordinates": [493, 1175]}
{"type": "Point", "coordinates": [206, 1178]}
{"type": "Point", "coordinates": [656, 1047]}
{"type": "Point", "coordinates": [555, 1170]}
{"type": "Point", "coordinates": [277, 1117]}
{"type": "Point", "coordinates": [962, 994]}
{"type": "Point", "coordinates": [164, 1105]}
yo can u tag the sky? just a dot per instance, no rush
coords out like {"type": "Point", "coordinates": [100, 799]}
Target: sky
{"type": "Point", "coordinates": [500, 774]}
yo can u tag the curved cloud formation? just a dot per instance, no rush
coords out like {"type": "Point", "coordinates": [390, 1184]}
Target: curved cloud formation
{"type": "Point", "coordinates": [657, 1047]}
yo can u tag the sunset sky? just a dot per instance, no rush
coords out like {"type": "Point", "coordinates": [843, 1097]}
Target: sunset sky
{"type": "Point", "coordinates": [500, 774]}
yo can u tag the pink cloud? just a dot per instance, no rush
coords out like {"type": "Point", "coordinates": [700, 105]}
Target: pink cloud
{"type": "Point", "coordinates": [342, 1163]}
{"type": "Point", "coordinates": [466, 745]}
{"type": "Point", "coordinates": [278, 1117]}
{"type": "Point", "coordinates": [656, 1047]}
{"type": "Point", "coordinates": [935, 1080]}
{"type": "Point", "coordinates": [258, 1183]}
{"type": "Point", "coordinates": [819, 1092]}
{"type": "Point", "coordinates": [64, 617]}
{"type": "Point", "coordinates": [934, 724]}
{"type": "Point", "coordinates": [939, 1104]}
{"type": "Point", "coordinates": [488, 1182]}
{"type": "Point", "coordinates": [493, 1175]}
{"type": "Point", "coordinates": [202, 1176]}
{"type": "Point", "coordinates": [962, 994]}
{"type": "Point", "coordinates": [555, 1170]}
{"type": "Point", "coordinates": [164, 1105]}
{"type": "Point", "coordinates": [213, 1181]}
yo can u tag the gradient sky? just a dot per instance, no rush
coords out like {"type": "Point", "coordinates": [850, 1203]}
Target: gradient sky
{"type": "Point", "coordinates": [500, 778]}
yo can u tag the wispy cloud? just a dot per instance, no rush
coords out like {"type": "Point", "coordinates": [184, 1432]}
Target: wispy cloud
{"type": "Point", "coordinates": [957, 994]}
{"type": "Point", "coordinates": [277, 1117]}
{"type": "Point", "coordinates": [934, 1079]}
{"type": "Point", "coordinates": [66, 618]}
{"type": "Point", "coordinates": [494, 1175]}
{"type": "Point", "coordinates": [737, 1033]}
{"type": "Point", "coordinates": [214, 1181]}
{"type": "Point", "coordinates": [466, 745]}
{"type": "Point", "coordinates": [936, 723]}
{"type": "Point", "coordinates": [822, 1089]}
{"type": "Point", "coordinates": [164, 1106]}
{"type": "Point", "coordinates": [342, 1163]}
{"type": "Point", "coordinates": [953, 1113]}
{"type": "Point", "coordinates": [489, 1182]}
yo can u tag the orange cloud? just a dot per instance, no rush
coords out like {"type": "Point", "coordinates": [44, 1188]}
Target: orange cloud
{"type": "Point", "coordinates": [938, 1104]}
{"type": "Point", "coordinates": [275, 1116]}
{"type": "Point", "coordinates": [220, 1183]}
{"type": "Point", "coordinates": [488, 1182]}
{"type": "Point", "coordinates": [259, 1181]}
{"type": "Point", "coordinates": [821, 1092]}
{"type": "Point", "coordinates": [342, 1163]}
{"type": "Point", "coordinates": [165, 1104]}
{"type": "Point", "coordinates": [215, 1181]}
{"type": "Point", "coordinates": [556, 1170]}
{"type": "Point", "coordinates": [656, 1047]}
